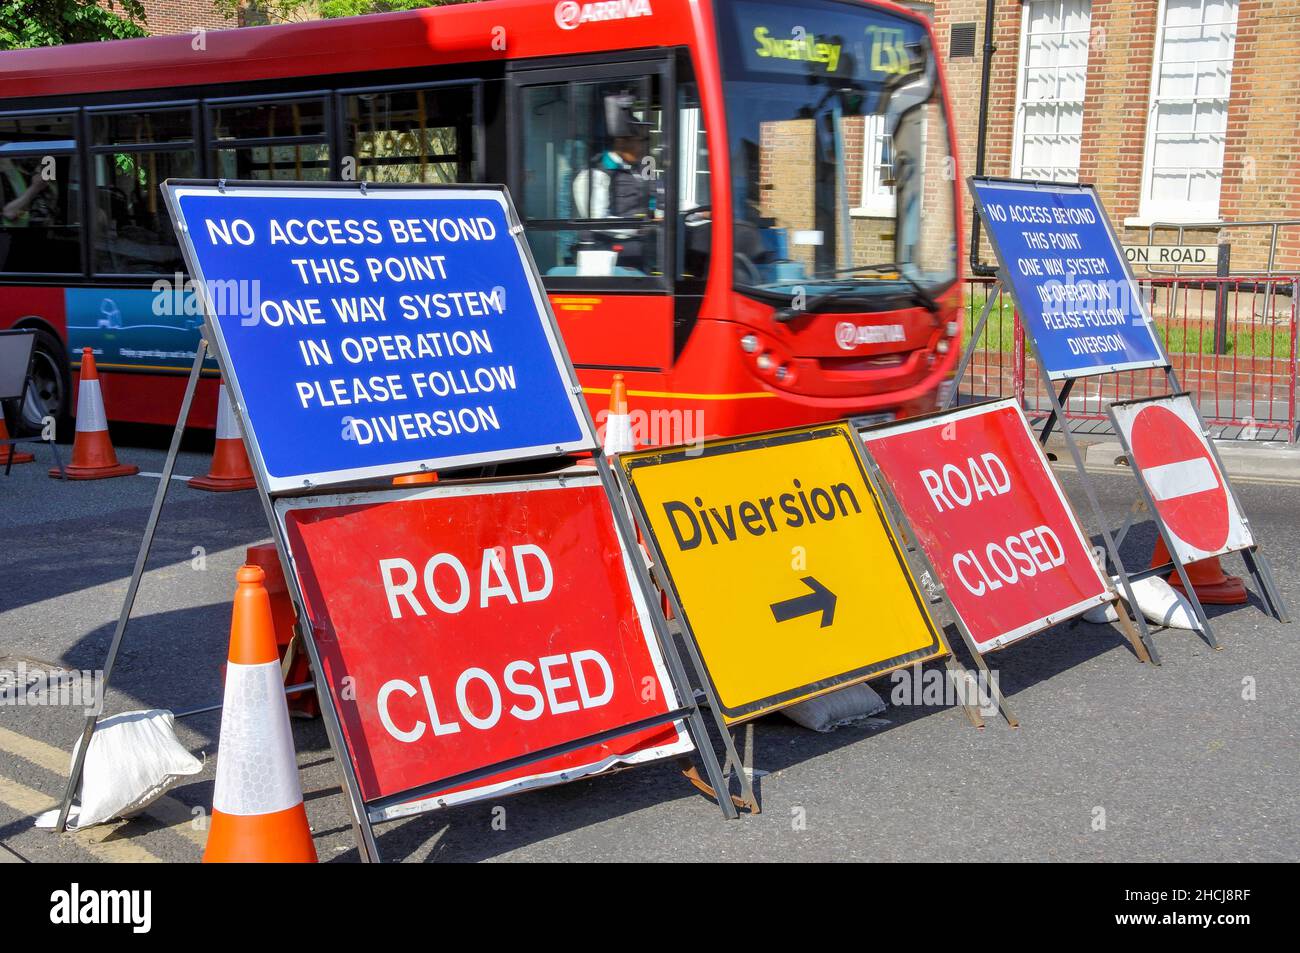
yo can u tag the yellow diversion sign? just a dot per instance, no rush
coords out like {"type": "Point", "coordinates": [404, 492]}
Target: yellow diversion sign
{"type": "Point", "coordinates": [785, 569]}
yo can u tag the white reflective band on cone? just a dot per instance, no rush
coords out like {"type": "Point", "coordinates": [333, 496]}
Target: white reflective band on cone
{"type": "Point", "coordinates": [90, 408]}
{"type": "Point", "coordinates": [257, 770]}
{"type": "Point", "coordinates": [227, 426]}
{"type": "Point", "coordinates": [618, 434]}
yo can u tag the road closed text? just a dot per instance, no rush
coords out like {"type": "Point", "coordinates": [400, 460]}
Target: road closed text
{"type": "Point", "coordinates": [1002, 561]}
{"type": "Point", "coordinates": [524, 690]}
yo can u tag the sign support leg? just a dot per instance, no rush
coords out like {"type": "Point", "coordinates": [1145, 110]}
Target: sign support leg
{"type": "Point", "coordinates": [1207, 632]}
{"type": "Point", "coordinates": [995, 293]}
{"type": "Point", "coordinates": [1258, 565]}
{"type": "Point", "coordinates": [1059, 414]}
{"type": "Point", "coordinates": [1130, 631]}
{"type": "Point", "coordinates": [961, 681]}
{"type": "Point", "coordinates": [990, 678]}
{"type": "Point", "coordinates": [714, 773]}
{"type": "Point", "coordinates": [128, 603]}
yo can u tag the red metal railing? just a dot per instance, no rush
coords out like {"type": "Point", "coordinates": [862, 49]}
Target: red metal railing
{"type": "Point", "coordinates": [1232, 343]}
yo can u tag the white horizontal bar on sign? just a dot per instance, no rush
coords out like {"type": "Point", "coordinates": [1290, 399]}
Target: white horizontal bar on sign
{"type": "Point", "coordinates": [1172, 480]}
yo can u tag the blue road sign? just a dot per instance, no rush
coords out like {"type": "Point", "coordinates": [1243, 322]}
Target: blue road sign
{"type": "Point", "coordinates": [369, 333]}
{"type": "Point", "coordinates": [1068, 276]}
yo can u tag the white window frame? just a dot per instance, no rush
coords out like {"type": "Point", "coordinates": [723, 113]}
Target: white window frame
{"type": "Point", "coordinates": [1018, 136]}
{"type": "Point", "coordinates": [1184, 211]}
{"type": "Point", "coordinates": [876, 199]}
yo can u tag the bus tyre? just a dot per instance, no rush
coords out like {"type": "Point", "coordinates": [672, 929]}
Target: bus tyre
{"type": "Point", "coordinates": [49, 394]}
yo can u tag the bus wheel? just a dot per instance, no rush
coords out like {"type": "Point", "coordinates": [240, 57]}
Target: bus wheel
{"type": "Point", "coordinates": [49, 394]}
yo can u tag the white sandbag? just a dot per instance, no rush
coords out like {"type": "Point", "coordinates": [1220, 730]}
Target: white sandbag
{"type": "Point", "coordinates": [134, 759]}
{"type": "Point", "coordinates": [1102, 614]}
{"type": "Point", "coordinates": [1164, 605]}
{"type": "Point", "coordinates": [1160, 603]}
{"type": "Point", "coordinates": [836, 709]}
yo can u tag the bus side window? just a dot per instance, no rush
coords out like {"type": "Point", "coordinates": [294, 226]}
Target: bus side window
{"type": "Point", "coordinates": [409, 135]}
{"type": "Point", "coordinates": [283, 139]}
{"type": "Point", "coordinates": [40, 208]}
{"type": "Point", "coordinates": [131, 154]}
{"type": "Point", "coordinates": [593, 174]}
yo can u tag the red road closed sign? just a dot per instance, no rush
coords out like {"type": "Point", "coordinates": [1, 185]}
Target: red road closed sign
{"type": "Point", "coordinates": [984, 504]}
{"type": "Point", "coordinates": [461, 627]}
{"type": "Point", "coordinates": [1170, 453]}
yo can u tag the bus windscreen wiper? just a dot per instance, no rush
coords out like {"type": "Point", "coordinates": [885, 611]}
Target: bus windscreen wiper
{"type": "Point", "coordinates": [926, 300]}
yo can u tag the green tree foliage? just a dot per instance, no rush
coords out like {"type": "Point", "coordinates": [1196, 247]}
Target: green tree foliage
{"type": "Point", "coordinates": [28, 23]}
{"type": "Point", "coordinates": [288, 11]}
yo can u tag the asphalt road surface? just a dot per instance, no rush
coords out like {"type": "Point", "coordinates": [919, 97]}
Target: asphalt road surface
{"type": "Point", "coordinates": [1196, 760]}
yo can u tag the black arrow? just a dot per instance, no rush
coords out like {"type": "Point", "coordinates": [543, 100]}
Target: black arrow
{"type": "Point", "coordinates": [820, 600]}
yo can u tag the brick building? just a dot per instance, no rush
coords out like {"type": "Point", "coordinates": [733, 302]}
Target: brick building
{"type": "Point", "coordinates": [182, 16]}
{"type": "Point", "coordinates": [1179, 110]}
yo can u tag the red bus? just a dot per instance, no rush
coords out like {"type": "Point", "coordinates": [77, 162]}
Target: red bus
{"type": "Point", "coordinates": [749, 208]}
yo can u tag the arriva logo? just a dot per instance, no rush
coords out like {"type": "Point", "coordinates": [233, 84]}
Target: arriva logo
{"type": "Point", "coordinates": [849, 335]}
{"type": "Point", "coordinates": [569, 14]}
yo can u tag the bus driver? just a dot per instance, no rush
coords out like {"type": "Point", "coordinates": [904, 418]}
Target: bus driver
{"type": "Point", "coordinates": [618, 184]}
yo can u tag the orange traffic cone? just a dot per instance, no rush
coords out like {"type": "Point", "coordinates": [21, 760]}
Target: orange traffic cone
{"type": "Point", "coordinates": [283, 617]}
{"type": "Point", "coordinates": [92, 450]}
{"type": "Point", "coordinates": [410, 479]}
{"type": "Point", "coordinates": [618, 423]}
{"type": "Point", "coordinates": [257, 809]}
{"type": "Point", "coordinates": [8, 450]}
{"type": "Point", "coordinates": [1212, 585]}
{"type": "Point", "coordinates": [230, 469]}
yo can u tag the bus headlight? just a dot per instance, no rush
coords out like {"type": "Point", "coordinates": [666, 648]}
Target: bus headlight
{"type": "Point", "coordinates": [749, 344]}
{"type": "Point", "coordinates": [782, 373]}
{"type": "Point", "coordinates": [764, 361]}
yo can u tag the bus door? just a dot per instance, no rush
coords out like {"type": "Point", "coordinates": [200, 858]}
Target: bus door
{"type": "Point", "coordinates": [590, 150]}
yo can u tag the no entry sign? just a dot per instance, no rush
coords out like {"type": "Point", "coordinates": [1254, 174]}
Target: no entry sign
{"type": "Point", "coordinates": [461, 627]}
{"type": "Point", "coordinates": [977, 490]}
{"type": "Point", "coordinates": [1069, 277]}
{"type": "Point", "coordinates": [1170, 454]}
{"type": "Point", "coordinates": [367, 333]}
{"type": "Point", "coordinates": [787, 573]}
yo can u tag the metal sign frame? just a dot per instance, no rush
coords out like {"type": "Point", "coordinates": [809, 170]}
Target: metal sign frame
{"type": "Point", "coordinates": [174, 190]}
{"type": "Point", "coordinates": [367, 847]}
{"type": "Point", "coordinates": [1033, 185]}
{"type": "Point", "coordinates": [913, 424]}
{"type": "Point", "coordinates": [1131, 633]}
{"type": "Point", "coordinates": [1257, 563]}
{"type": "Point", "coordinates": [668, 585]}
{"type": "Point", "coordinates": [424, 797]}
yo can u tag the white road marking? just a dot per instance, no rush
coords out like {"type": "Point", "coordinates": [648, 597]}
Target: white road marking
{"type": "Point", "coordinates": [177, 815]}
{"type": "Point", "coordinates": [98, 841]}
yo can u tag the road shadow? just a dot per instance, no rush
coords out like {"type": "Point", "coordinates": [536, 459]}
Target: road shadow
{"type": "Point", "coordinates": [75, 554]}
